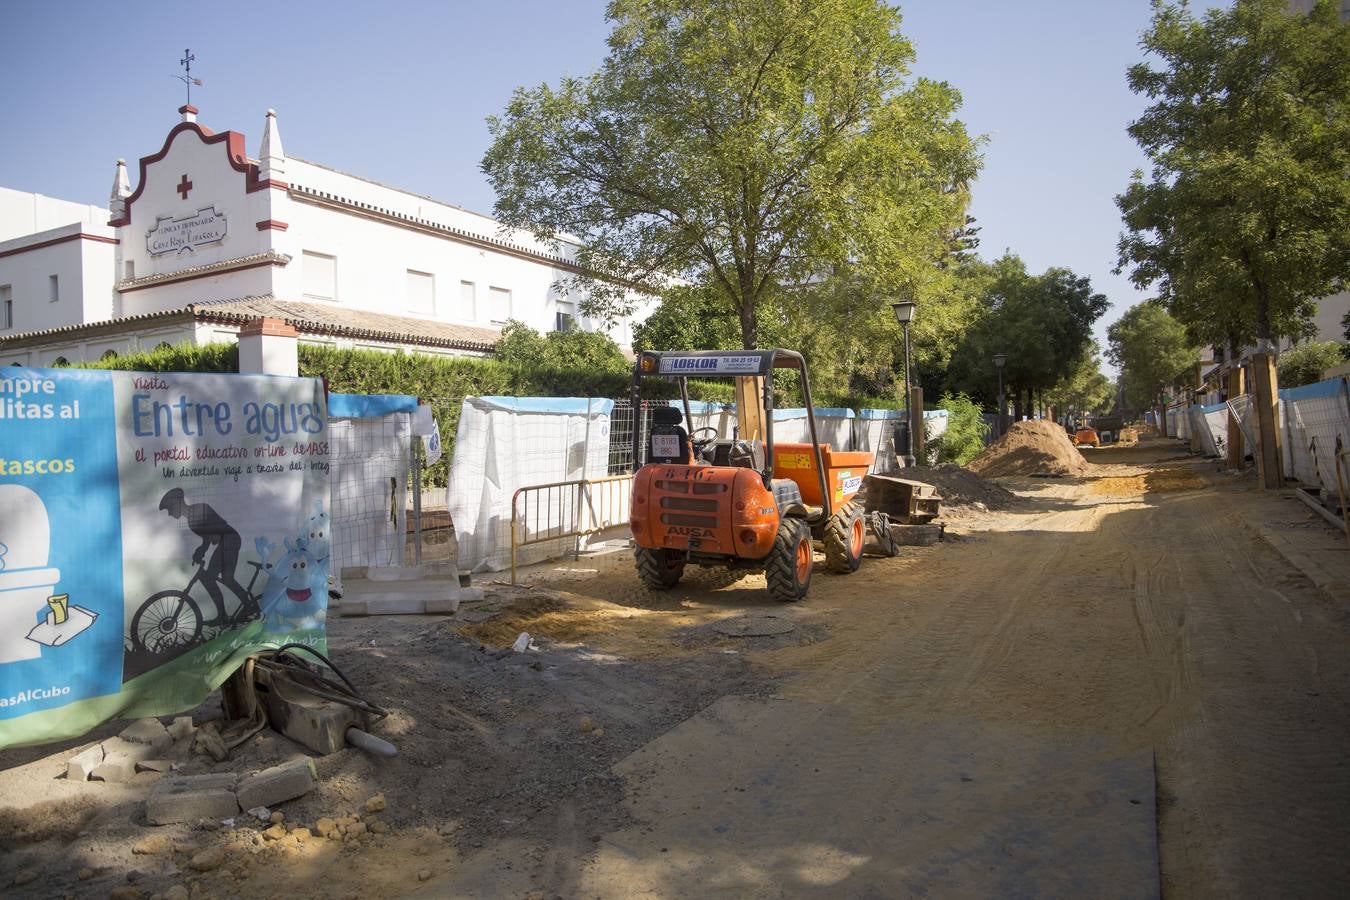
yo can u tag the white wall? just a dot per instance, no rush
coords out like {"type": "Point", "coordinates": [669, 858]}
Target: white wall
{"type": "Point", "coordinates": [23, 213]}
{"type": "Point", "coordinates": [83, 269]}
{"type": "Point", "coordinates": [93, 348]}
{"type": "Point", "coordinates": [215, 183]}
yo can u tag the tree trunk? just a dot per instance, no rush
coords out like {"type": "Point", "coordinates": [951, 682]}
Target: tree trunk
{"type": "Point", "coordinates": [749, 327]}
{"type": "Point", "coordinates": [1017, 403]}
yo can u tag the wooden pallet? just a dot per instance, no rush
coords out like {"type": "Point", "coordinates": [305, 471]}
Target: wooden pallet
{"type": "Point", "coordinates": [906, 502]}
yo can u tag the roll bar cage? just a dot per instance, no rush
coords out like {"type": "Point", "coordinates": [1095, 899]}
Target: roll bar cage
{"type": "Point", "coordinates": [681, 365]}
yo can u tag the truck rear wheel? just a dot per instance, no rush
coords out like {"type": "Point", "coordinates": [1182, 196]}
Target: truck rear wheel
{"type": "Point", "coordinates": [844, 538]}
{"type": "Point", "coordinates": [788, 568]}
{"type": "Point", "coordinates": [659, 569]}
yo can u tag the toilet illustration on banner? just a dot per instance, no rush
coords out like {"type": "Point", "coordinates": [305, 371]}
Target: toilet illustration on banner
{"type": "Point", "coordinates": [28, 584]}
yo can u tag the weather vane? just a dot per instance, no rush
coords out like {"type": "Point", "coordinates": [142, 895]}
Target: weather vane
{"type": "Point", "coordinates": [186, 78]}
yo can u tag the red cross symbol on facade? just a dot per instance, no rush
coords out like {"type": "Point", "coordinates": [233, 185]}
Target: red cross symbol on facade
{"type": "Point", "coordinates": [184, 186]}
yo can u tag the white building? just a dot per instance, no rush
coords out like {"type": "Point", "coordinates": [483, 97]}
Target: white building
{"type": "Point", "coordinates": [211, 239]}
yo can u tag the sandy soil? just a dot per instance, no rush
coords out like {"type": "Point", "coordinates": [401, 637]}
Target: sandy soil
{"type": "Point", "coordinates": [1111, 688]}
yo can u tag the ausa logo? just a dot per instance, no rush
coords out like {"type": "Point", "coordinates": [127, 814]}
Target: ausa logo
{"type": "Point", "coordinates": [690, 531]}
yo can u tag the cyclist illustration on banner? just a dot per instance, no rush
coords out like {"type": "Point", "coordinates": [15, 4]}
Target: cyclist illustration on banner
{"type": "Point", "coordinates": [215, 532]}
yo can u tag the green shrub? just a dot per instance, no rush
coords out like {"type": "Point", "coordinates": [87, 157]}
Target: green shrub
{"type": "Point", "coordinates": [966, 430]}
{"type": "Point", "coordinates": [1305, 363]}
{"type": "Point", "coordinates": [184, 357]}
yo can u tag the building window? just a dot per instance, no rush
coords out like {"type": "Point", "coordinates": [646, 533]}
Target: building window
{"type": "Point", "coordinates": [319, 274]}
{"type": "Point", "coordinates": [53, 288]}
{"type": "Point", "coordinates": [499, 304]}
{"type": "Point", "coordinates": [566, 318]}
{"type": "Point", "coordinates": [421, 292]}
{"type": "Point", "coordinates": [130, 268]}
{"type": "Point", "coordinates": [467, 301]}
{"type": "Point", "coordinates": [6, 307]}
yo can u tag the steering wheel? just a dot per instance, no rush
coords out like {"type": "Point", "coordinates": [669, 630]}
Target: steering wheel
{"type": "Point", "coordinates": [705, 441]}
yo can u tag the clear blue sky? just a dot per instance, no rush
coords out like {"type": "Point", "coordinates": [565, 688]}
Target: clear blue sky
{"type": "Point", "coordinates": [398, 91]}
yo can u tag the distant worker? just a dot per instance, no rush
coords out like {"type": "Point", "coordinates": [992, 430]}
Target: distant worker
{"type": "Point", "coordinates": [208, 525]}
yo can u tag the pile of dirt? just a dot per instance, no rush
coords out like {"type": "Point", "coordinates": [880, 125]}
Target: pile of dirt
{"type": "Point", "coordinates": [961, 489]}
{"type": "Point", "coordinates": [1030, 448]}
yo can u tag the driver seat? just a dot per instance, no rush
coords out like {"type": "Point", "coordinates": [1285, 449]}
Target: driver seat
{"type": "Point", "coordinates": [669, 442]}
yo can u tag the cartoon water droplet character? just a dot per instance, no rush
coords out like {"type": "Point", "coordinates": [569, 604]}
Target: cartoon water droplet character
{"type": "Point", "coordinates": [297, 590]}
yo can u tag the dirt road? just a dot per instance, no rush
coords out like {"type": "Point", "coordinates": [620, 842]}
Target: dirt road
{"type": "Point", "coordinates": [1118, 690]}
{"type": "Point", "coordinates": [1113, 688]}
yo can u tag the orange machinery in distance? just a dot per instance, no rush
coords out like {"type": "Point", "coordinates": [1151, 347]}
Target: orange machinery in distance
{"type": "Point", "coordinates": [743, 502]}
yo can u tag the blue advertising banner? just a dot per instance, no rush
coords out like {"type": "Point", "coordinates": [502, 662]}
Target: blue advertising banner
{"type": "Point", "coordinates": [154, 530]}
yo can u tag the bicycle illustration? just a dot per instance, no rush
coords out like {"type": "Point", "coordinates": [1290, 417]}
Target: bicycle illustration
{"type": "Point", "coordinates": [169, 622]}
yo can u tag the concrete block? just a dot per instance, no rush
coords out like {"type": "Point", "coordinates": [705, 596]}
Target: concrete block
{"type": "Point", "coordinates": [116, 768]}
{"type": "Point", "coordinates": [395, 573]}
{"type": "Point", "coordinates": [352, 607]}
{"type": "Point", "coordinates": [186, 798]}
{"type": "Point", "coordinates": [154, 765]}
{"type": "Point", "coordinates": [80, 766]}
{"type": "Point", "coordinates": [272, 786]}
{"type": "Point", "coordinates": [443, 607]}
{"type": "Point", "coordinates": [137, 752]}
{"type": "Point", "coordinates": [181, 728]}
{"type": "Point", "coordinates": [396, 603]}
{"type": "Point", "coordinates": [147, 731]}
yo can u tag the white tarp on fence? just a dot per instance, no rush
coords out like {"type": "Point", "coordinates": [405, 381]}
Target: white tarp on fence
{"type": "Point", "coordinates": [834, 426]}
{"type": "Point", "coordinates": [370, 441]}
{"type": "Point", "coordinates": [506, 443]}
{"type": "Point", "coordinates": [874, 432]}
{"type": "Point", "coordinates": [1315, 420]}
{"type": "Point", "coordinates": [721, 416]}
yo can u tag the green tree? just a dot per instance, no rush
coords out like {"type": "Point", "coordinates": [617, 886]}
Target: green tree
{"type": "Point", "coordinates": [1305, 363]}
{"type": "Point", "coordinates": [1151, 349]}
{"type": "Point", "coordinates": [1085, 388]}
{"type": "Point", "coordinates": [1042, 323]}
{"type": "Point", "coordinates": [741, 146]}
{"type": "Point", "coordinates": [579, 351]}
{"type": "Point", "coordinates": [1243, 222]}
{"type": "Point", "coordinates": [966, 430]}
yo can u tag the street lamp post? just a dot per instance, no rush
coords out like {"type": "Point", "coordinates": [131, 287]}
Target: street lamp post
{"type": "Point", "coordinates": [999, 360]}
{"type": "Point", "coordinates": [904, 314]}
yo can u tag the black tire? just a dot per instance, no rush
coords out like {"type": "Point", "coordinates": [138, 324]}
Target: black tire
{"type": "Point", "coordinates": [659, 570]}
{"type": "Point", "coordinates": [166, 623]}
{"type": "Point", "coordinates": [788, 568]}
{"type": "Point", "coordinates": [844, 538]}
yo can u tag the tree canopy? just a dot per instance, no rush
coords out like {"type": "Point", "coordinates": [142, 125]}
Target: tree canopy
{"type": "Point", "coordinates": [1151, 349]}
{"type": "Point", "coordinates": [1042, 323]}
{"type": "Point", "coordinates": [1243, 222]}
{"type": "Point", "coordinates": [747, 148]}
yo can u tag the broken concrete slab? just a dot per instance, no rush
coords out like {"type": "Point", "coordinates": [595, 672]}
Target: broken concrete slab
{"type": "Point", "coordinates": [187, 798]}
{"type": "Point", "coordinates": [154, 765]}
{"type": "Point", "coordinates": [147, 731]}
{"type": "Point", "coordinates": [116, 768]}
{"type": "Point", "coordinates": [269, 787]}
{"type": "Point", "coordinates": [120, 757]}
{"type": "Point", "coordinates": [181, 728]}
{"type": "Point", "coordinates": [80, 766]}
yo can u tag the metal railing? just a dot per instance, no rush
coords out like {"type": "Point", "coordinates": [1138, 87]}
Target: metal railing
{"type": "Point", "coordinates": [541, 513]}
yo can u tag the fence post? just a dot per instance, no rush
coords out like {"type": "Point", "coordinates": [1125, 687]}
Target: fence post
{"type": "Point", "coordinates": [1236, 388]}
{"type": "Point", "coordinates": [1265, 394]}
{"type": "Point", "coordinates": [417, 498]}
